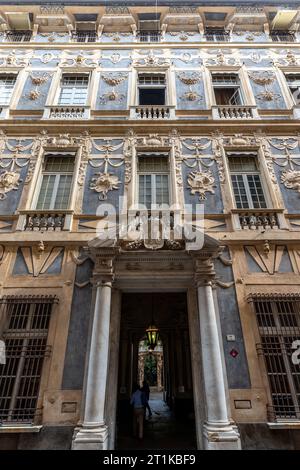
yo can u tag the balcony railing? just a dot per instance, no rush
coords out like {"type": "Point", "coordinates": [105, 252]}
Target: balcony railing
{"type": "Point", "coordinates": [282, 36]}
{"type": "Point", "coordinates": [67, 112]}
{"type": "Point", "coordinates": [217, 36]}
{"type": "Point", "coordinates": [234, 112]}
{"type": "Point", "coordinates": [258, 219]}
{"type": "Point", "coordinates": [149, 36]}
{"type": "Point", "coordinates": [84, 36]}
{"type": "Point", "coordinates": [286, 412]}
{"type": "Point", "coordinates": [41, 221]}
{"type": "Point", "coordinates": [152, 112]}
{"type": "Point", "coordinates": [18, 36]}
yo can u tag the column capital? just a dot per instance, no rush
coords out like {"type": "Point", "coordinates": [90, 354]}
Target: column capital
{"type": "Point", "coordinates": [99, 280]}
{"type": "Point", "coordinates": [202, 281]}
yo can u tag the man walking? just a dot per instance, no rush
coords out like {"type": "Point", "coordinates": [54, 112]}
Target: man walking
{"type": "Point", "coordinates": [138, 401]}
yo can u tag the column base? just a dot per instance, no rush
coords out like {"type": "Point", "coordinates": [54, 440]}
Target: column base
{"type": "Point", "coordinates": [221, 438]}
{"type": "Point", "coordinates": [90, 438]}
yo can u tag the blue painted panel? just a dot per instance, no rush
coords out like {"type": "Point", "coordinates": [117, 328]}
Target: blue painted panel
{"type": "Point", "coordinates": [9, 204]}
{"type": "Point", "coordinates": [91, 198]}
{"type": "Point", "coordinates": [185, 99]}
{"type": "Point", "coordinates": [237, 367]}
{"type": "Point", "coordinates": [78, 330]}
{"type": "Point", "coordinates": [109, 97]}
{"type": "Point", "coordinates": [29, 102]}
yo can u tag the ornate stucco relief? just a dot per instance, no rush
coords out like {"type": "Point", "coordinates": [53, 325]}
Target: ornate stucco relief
{"type": "Point", "coordinates": [190, 79]}
{"type": "Point", "coordinates": [113, 80]}
{"type": "Point", "coordinates": [264, 79]}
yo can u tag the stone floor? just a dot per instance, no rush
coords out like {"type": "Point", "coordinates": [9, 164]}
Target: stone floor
{"type": "Point", "coordinates": [161, 431]}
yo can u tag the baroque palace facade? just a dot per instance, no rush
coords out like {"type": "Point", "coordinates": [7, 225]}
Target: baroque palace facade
{"type": "Point", "coordinates": [173, 104]}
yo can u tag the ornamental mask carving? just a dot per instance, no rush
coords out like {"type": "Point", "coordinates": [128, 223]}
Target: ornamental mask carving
{"type": "Point", "coordinates": [201, 182]}
{"type": "Point", "coordinates": [104, 182]}
{"type": "Point", "coordinates": [291, 179]}
{"type": "Point", "coordinates": [9, 180]}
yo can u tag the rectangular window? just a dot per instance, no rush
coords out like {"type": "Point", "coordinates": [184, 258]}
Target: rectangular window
{"type": "Point", "coordinates": [227, 89]}
{"type": "Point", "coordinates": [278, 320]}
{"type": "Point", "coordinates": [18, 36]}
{"type": "Point", "coordinates": [216, 34]}
{"type": "Point", "coordinates": [56, 182]}
{"type": "Point", "coordinates": [26, 324]}
{"type": "Point", "coordinates": [153, 179]}
{"type": "Point", "coordinates": [282, 36]}
{"type": "Point", "coordinates": [152, 89]}
{"type": "Point", "coordinates": [149, 27]}
{"type": "Point", "coordinates": [293, 82]}
{"type": "Point", "coordinates": [74, 90]}
{"type": "Point", "coordinates": [246, 181]}
{"type": "Point", "coordinates": [84, 36]}
{"type": "Point", "coordinates": [7, 84]}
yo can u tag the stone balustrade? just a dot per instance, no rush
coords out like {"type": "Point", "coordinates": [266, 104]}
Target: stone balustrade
{"type": "Point", "coordinates": [40, 221]}
{"type": "Point", "coordinates": [234, 112]}
{"type": "Point", "coordinates": [67, 112]}
{"type": "Point", "coordinates": [152, 112]}
{"type": "Point", "coordinates": [252, 219]}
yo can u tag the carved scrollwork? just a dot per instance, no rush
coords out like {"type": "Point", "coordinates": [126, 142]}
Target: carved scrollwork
{"type": "Point", "coordinates": [102, 183]}
{"type": "Point", "coordinates": [291, 179]}
{"type": "Point", "coordinates": [201, 182]}
{"type": "Point", "coordinates": [9, 181]}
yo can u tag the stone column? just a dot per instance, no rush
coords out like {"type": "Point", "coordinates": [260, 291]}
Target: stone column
{"type": "Point", "coordinates": [93, 433]}
{"type": "Point", "coordinates": [218, 432]}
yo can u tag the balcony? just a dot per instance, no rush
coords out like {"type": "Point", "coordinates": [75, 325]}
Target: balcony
{"type": "Point", "coordinates": [152, 112]}
{"type": "Point", "coordinates": [44, 221]}
{"type": "Point", "coordinates": [84, 36]}
{"type": "Point", "coordinates": [258, 219]}
{"type": "Point", "coordinates": [234, 112]}
{"type": "Point", "coordinates": [67, 112]}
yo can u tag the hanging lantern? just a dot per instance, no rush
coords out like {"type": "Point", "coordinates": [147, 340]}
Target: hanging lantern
{"type": "Point", "coordinates": [152, 336]}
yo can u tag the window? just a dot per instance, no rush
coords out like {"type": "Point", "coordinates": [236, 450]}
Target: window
{"type": "Point", "coordinates": [26, 323]}
{"type": "Point", "coordinates": [216, 34]}
{"type": "Point", "coordinates": [56, 182]}
{"type": "Point", "coordinates": [153, 179]}
{"type": "Point", "coordinates": [84, 36]}
{"type": "Point", "coordinates": [246, 182]}
{"type": "Point", "coordinates": [74, 90]}
{"type": "Point", "coordinates": [152, 89]}
{"type": "Point", "coordinates": [282, 36]}
{"type": "Point", "coordinates": [149, 36]}
{"type": "Point", "coordinates": [227, 89]}
{"type": "Point", "coordinates": [7, 83]}
{"type": "Point", "coordinates": [18, 36]}
{"type": "Point", "coordinates": [293, 82]}
{"type": "Point", "coordinates": [278, 320]}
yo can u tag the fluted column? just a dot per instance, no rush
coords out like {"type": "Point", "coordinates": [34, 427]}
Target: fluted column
{"type": "Point", "coordinates": [218, 431]}
{"type": "Point", "coordinates": [93, 433]}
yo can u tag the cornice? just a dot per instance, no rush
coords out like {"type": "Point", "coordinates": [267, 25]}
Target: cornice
{"type": "Point", "coordinates": [117, 127]}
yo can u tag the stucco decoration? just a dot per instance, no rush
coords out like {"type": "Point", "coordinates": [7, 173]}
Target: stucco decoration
{"type": "Point", "coordinates": [9, 181]}
{"type": "Point", "coordinates": [289, 59]}
{"type": "Point", "coordinates": [201, 182]}
{"type": "Point", "coordinates": [182, 35]}
{"type": "Point", "coordinates": [113, 81]}
{"type": "Point", "coordinates": [291, 179]}
{"type": "Point", "coordinates": [15, 58]}
{"type": "Point", "coordinates": [264, 79]}
{"type": "Point", "coordinates": [39, 258]}
{"type": "Point", "coordinates": [80, 59]}
{"type": "Point", "coordinates": [102, 183]}
{"type": "Point", "coordinates": [151, 60]}
{"type": "Point", "coordinates": [116, 37]}
{"type": "Point", "coordinates": [222, 57]}
{"type": "Point", "coordinates": [190, 79]}
{"type": "Point", "coordinates": [37, 79]}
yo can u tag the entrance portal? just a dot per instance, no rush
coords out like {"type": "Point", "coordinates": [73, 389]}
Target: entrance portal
{"type": "Point", "coordinates": [167, 370]}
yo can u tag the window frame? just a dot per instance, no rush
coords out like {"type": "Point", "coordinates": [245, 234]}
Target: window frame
{"type": "Point", "coordinates": [259, 172]}
{"type": "Point", "coordinates": [60, 88]}
{"type": "Point", "coordinates": [56, 184]}
{"type": "Point", "coordinates": [15, 74]}
{"type": "Point", "coordinates": [238, 86]}
{"type": "Point", "coordinates": [153, 175]}
{"type": "Point", "coordinates": [152, 86]}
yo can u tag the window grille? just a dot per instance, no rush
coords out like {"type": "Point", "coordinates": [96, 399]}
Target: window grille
{"type": "Point", "coordinates": [282, 36]}
{"type": "Point", "coordinates": [18, 36]}
{"type": "Point", "coordinates": [215, 35]}
{"type": "Point", "coordinates": [246, 181]}
{"type": "Point", "coordinates": [7, 84]}
{"type": "Point", "coordinates": [149, 36]}
{"type": "Point", "coordinates": [278, 320]}
{"type": "Point", "coordinates": [74, 90]}
{"type": "Point", "coordinates": [84, 36]}
{"type": "Point", "coordinates": [55, 189]}
{"type": "Point", "coordinates": [293, 82]}
{"type": "Point", "coordinates": [25, 324]}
